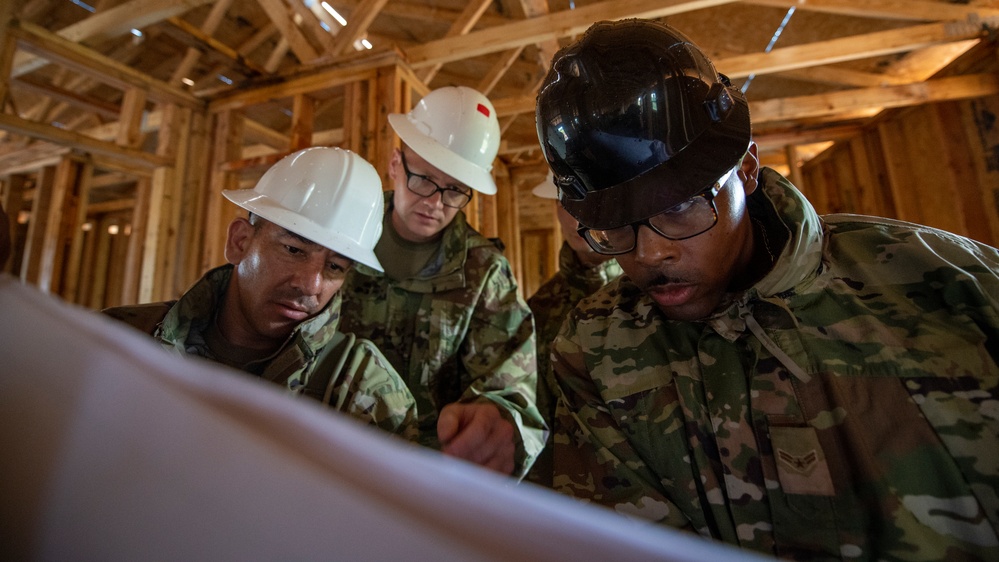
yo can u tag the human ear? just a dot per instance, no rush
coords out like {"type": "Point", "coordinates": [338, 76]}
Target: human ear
{"type": "Point", "coordinates": [395, 163]}
{"type": "Point", "coordinates": [237, 242]}
{"type": "Point", "coordinates": [749, 170]}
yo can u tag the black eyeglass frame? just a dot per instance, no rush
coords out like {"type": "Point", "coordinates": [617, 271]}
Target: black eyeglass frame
{"type": "Point", "coordinates": [437, 188]}
{"type": "Point", "coordinates": [708, 194]}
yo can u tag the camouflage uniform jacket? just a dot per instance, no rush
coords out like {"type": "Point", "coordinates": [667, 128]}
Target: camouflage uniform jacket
{"type": "Point", "coordinates": [364, 384]}
{"type": "Point", "coordinates": [844, 407]}
{"type": "Point", "coordinates": [458, 331]}
{"type": "Point", "coordinates": [550, 305]}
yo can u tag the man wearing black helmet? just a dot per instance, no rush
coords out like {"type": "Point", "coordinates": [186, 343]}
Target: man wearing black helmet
{"type": "Point", "coordinates": [808, 387]}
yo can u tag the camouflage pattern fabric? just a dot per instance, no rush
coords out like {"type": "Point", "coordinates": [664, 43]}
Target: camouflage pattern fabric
{"type": "Point", "coordinates": [368, 388]}
{"type": "Point", "coordinates": [458, 331]}
{"type": "Point", "coordinates": [550, 305]}
{"type": "Point", "coordinates": [845, 407]}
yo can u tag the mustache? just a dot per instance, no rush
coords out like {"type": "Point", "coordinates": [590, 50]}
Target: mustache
{"type": "Point", "coordinates": [308, 303]}
{"type": "Point", "coordinates": [662, 279]}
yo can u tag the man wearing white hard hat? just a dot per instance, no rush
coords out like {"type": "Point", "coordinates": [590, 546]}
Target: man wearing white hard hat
{"type": "Point", "coordinates": [446, 311]}
{"type": "Point", "coordinates": [581, 271]}
{"type": "Point", "coordinates": [273, 310]}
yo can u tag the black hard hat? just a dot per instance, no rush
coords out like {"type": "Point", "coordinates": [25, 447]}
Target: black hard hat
{"type": "Point", "coordinates": [633, 119]}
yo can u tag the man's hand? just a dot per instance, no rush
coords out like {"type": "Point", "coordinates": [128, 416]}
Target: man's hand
{"type": "Point", "coordinates": [478, 433]}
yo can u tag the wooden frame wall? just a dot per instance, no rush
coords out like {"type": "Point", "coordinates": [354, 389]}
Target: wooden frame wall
{"type": "Point", "coordinates": [67, 247]}
{"type": "Point", "coordinates": [936, 165]}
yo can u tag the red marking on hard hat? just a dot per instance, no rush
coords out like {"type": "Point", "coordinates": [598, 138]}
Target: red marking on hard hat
{"type": "Point", "coordinates": [483, 110]}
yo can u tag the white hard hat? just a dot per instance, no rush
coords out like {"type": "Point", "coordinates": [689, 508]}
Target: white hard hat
{"type": "Point", "coordinates": [330, 196]}
{"type": "Point", "coordinates": [455, 130]}
{"type": "Point", "coordinates": [546, 189]}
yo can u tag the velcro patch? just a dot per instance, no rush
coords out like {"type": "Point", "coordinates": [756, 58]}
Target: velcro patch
{"type": "Point", "coordinates": [801, 465]}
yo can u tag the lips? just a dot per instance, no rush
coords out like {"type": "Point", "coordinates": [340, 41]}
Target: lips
{"type": "Point", "coordinates": [426, 218]}
{"type": "Point", "coordinates": [672, 294]}
{"type": "Point", "coordinates": [292, 311]}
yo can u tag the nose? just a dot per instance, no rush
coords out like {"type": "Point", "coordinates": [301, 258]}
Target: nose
{"type": "Point", "coordinates": [435, 199]}
{"type": "Point", "coordinates": [652, 248]}
{"type": "Point", "coordinates": [308, 276]}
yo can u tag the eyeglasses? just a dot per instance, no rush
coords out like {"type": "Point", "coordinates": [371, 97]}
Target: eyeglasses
{"type": "Point", "coordinates": [425, 187]}
{"type": "Point", "coordinates": [690, 218]}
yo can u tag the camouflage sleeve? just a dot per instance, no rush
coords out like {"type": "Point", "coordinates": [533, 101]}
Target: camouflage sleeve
{"type": "Point", "coordinates": [594, 459]}
{"type": "Point", "coordinates": [143, 317]}
{"type": "Point", "coordinates": [500, 355]}
{"type": "Point", "coordinates": [371, 390]}
{"type": "Point", "coordinates": [549, 304]}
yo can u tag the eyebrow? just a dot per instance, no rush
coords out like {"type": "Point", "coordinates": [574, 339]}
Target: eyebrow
{"type": "Point", "coordinates": [305, 240]}
{"type": "Point", "coordinates": [458, 186]}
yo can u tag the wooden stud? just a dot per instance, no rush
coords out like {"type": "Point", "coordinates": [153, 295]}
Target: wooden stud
{"type": "Point", "coordinates": [101, 255]}
{"type": "Point", "coordinates": [227, 143]}
{"type": "Point", "coordinates": [302, 116]}
{"type": "Point", "coordinates": [130, 123]}
{"type": "Point", "coordinates": [508, 219]}
{"type": "Point", "coordinates": [53, 241]}
{"type": "Point", "coordinates": [74, 256]}
{"type": "Point", "coordinates": [390, 100]}
{"type": "Point", "coordinates": [198, 172]}
{"type": "Point", "coordinates": [13, 200]}
{"type": "Point", "coordinates": [115, 291]}
{"type": "Point", "coordinates": [34, 243]}
{"type": "Point", "coordinates": [139, 225]}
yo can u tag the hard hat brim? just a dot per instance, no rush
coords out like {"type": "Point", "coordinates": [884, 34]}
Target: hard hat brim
{"type": "Point", "coordinates": [268, 209]}
{"type": "Point", "coordinates": [546, 189]}
{"type": "Point", "coordinates": [440, 157]}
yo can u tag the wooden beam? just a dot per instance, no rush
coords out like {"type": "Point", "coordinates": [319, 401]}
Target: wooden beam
{"type": "Point", "coordinates": [113, 206]}
{"type": "Point", "coordinates": [543, 28]}
{"type": "Point", "coordinates": [546, 49]}
{"type": "Point", "coordinates": [495, 73]}
{"type": "Point", "coordinates": [328, 77]}
{"type": "Point", "coordinates": [845, 49]}
{"type": "Point", "coordinates": [255, 132]}
{"type": "Point", "coordinates": [836, 76]}
{"type": "Point", "coordinates": [210, 43]}
{"type": "Point", "coordinates": [360, 21]}
{"type": "Point", "coordinates": [778, 138]}
{"type": "Point", "coordinates": [208, 27]}
{"type": "Point", "coordinates": [114, 22]}
{"type": "Point", "coordinates": [8, 47]}
{"type": "Point", "coordinates": [309, 23]}
{"type": "Point", "coordinates": [280, 14]}
{"type": "Point", "coordinates": [80, 142]}
{"type": "Point", "coordinates": [464, 23]}
{"type": "Point", "coordinates": [906, 10]}
{"type": "Point", "coordinates": [80, 101]}
{"type": "Point", "coordinates": [106, 70]}
{"type": "Point", "coordinates": [943, 89]}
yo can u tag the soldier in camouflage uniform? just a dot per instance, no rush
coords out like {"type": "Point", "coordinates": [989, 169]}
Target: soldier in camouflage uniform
{"type": "Point", "coordinates": [446, 312]}
{"type": "Point", "coordinates": [809, 387]}
{"type": "Point", "coordinates": [273, 310]}
{"type": "Point", "coordinates": [581, 272]}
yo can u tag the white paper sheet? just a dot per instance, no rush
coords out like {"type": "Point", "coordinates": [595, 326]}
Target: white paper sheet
{"type": "Point", "coordinates": [113, 449]}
